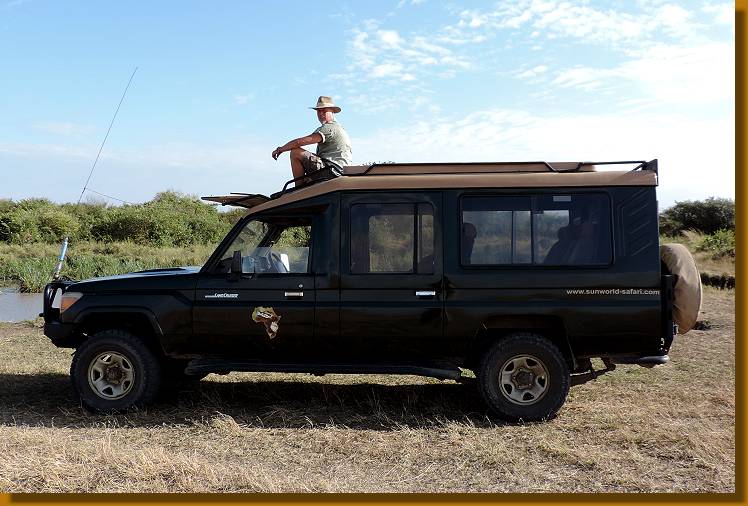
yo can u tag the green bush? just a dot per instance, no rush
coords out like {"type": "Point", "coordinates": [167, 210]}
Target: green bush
{"type": "Point", "coordinates": [54, 225]}
{"type": "Point", "coordinates": [720, 244]}
{"type": "Point", "coordinates": [706, 216]}
{"type": "Point", "coordinates": [126, 223]}
{"type": "Point", "coordinates": [170, 219]}
{"type": "Point", "coordinates": [88, 215]}
{"type": "Point", "coordinates": [19, 226]}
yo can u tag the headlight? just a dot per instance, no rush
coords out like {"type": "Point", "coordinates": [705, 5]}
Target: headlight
{"type": "Point", "coordinates": [68, 299]}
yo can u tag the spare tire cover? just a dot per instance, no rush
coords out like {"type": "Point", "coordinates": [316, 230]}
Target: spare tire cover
{"type": "Point", "coordinates": [687, 292]}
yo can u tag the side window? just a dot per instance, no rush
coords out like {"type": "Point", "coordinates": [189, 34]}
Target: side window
{"type": "Point", "coordinates": [271, 247]}
{"type": "Point", "coordinates": [392, 238]}
{"type": "Point", "coordinates": [572, 229]}
{"type": "Point", "coordinates": [537, 230]}
{"type": "Point", "coordinates": [495, 231]}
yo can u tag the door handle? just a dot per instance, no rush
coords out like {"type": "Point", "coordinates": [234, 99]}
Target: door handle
{"type": "Point", "coordinates": [425, 293]}
{"type": "Point", "coordinates": [294, 294]}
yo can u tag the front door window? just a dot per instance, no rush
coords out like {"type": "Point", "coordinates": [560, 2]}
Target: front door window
{"type": "Point", "coordinates": [271, 248]}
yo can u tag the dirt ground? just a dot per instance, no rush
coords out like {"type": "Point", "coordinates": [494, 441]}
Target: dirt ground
{"type": "Point", "coordinates": [667, 429]}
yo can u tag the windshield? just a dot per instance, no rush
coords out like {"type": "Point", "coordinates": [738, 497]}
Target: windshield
{"type": "Point", "coordinates": [271, 247]}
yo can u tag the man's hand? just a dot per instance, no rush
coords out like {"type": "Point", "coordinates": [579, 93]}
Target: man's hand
{"type": "Point", "coordinates": [276, 153]}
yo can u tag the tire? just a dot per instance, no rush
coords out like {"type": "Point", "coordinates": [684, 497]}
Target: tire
{"type": "Point", "coordinates": [687, 292]}
{"type": "Point", "coordinates": [114, 371]}
{"type": "Point", "coordinates": [540, 389]}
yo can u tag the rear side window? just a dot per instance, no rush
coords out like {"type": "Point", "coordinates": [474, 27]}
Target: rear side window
{"type": "Point", "coordinates": [392, 238]}
{"type": "Point", "coordinates": [561, 229]}
{"type": "Point", "coordinates": [496, 230]}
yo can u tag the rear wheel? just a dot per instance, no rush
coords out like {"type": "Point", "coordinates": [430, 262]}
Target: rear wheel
{"type": "Point", "coordinates": [114, 370]}
{"type": "Point", "coordinates": [524, 377]}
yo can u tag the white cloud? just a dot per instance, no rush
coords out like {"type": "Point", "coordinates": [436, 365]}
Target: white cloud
{"type": "Point", "coordinates": [513, 135]}
{"type": "Point", "coordinates": [386, 69]}
{"type": "Point", "coordinates": [533, 72]}
{"type": "Point", "coordinates": [389, 37]}
{"type": "Point", "coordinates": [585, 78]}
{"type": "Point", "coordinates": [585, 22]}
{"type": "Point", "coordinates": [378, 53]}
{"type": "Point", "coordinates": [673, 16]}
{"type": "Point", "coordinates": [723, 13]}
{"type": "Point", "coordinates": [702, 74]}
{"type": "Point", "coordinates": [696, 74]}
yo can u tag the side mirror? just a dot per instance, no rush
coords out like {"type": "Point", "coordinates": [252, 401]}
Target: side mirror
{"type": "Point", "coordinates": [236, 266]}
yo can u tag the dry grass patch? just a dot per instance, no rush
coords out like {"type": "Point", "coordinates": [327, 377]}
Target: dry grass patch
{"type": "Point", "coordinates": [667, 429]}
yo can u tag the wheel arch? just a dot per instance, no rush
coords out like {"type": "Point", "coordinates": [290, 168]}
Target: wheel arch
{"type": "Point", "coordinates": [136, 320]}
{"type": "Point", "coordinates": [498, 327]}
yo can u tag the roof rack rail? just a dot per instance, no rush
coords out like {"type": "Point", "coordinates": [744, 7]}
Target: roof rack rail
{"type": "Point", "coordinates": [641, 164]}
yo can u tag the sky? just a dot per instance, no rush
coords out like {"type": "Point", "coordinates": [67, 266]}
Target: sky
{"type": "Point", "coordinates": [220, 84]}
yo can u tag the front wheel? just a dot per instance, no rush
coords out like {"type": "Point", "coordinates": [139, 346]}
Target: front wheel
{"type": "Point", "coordinates": [113, 371]}
{"type": "Point", "coordinates": [524, 377]}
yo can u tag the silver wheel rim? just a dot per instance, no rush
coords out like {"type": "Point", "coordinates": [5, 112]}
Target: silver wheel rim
{"type": "Point", "coordinates": [111, 375]}
{"type": "Point", "coordinates": [523, 380]}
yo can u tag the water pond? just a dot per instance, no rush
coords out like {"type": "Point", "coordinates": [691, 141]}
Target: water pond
{"type": "Point", "coordinates": [16, 306]}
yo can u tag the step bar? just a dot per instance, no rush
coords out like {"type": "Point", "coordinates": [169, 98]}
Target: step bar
{"type": "Point", "coordinates": [208, 365]}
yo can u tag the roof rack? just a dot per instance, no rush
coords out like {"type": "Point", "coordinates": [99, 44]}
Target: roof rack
{"type": "Point", "coordinates": [485, 167]}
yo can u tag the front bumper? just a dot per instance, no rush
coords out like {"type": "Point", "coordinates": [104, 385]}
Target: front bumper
{"type": "Point", "coordinates": [61, 334]}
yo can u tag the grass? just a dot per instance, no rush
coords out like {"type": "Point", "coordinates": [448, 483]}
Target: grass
{"type": "Point", "coordinates": [31, 265]}
{"type": "Point", "coordinates": [666, 429]}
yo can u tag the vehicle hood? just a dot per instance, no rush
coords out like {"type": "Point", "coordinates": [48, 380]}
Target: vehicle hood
{"type": "Point", "coordinates": [172, 278]}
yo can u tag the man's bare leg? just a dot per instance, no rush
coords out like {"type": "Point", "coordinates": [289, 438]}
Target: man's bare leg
{"type": "Point", "coordinates": [297, 155]}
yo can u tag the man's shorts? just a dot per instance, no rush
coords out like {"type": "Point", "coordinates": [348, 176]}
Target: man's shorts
{"type": "Point", "coordinates": [311, 162]}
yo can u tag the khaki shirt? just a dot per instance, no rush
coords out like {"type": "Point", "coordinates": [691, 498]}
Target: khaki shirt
{"type": "Point", "coordinates": [335, 145]}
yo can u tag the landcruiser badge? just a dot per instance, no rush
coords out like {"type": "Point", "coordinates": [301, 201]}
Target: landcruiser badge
{"type": "Point", "coordinates": [222, 296]}
{"type": "Point", "coordinates": [267, 317]}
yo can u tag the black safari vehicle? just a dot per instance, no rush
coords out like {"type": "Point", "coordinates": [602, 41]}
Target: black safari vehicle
{"type": "Point", "coordinates": [519, 272]}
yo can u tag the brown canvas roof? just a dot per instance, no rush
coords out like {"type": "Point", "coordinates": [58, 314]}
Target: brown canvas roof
{"type": "Point", "coordinates": [436, 176]}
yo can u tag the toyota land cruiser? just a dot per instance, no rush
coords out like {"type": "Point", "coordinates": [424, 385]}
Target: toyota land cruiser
{"type": "Point", "coordinates": [519, 272]}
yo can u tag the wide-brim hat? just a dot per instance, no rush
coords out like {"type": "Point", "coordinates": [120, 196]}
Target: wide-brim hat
{"type": "Point", "coordinates": [326, 103]}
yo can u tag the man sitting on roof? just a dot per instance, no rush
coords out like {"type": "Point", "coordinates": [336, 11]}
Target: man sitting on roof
{"type": "Point", "coordinates": [332, 142]}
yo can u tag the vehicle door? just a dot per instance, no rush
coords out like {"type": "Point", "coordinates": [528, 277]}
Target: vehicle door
{"type": "Point", "coordinates": [391, 275]}
{"type": "Point", "coordinates": [266, 309]}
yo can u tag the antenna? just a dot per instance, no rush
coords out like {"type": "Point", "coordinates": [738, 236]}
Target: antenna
{"type": "Point", "coordinates": [64, 247]}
